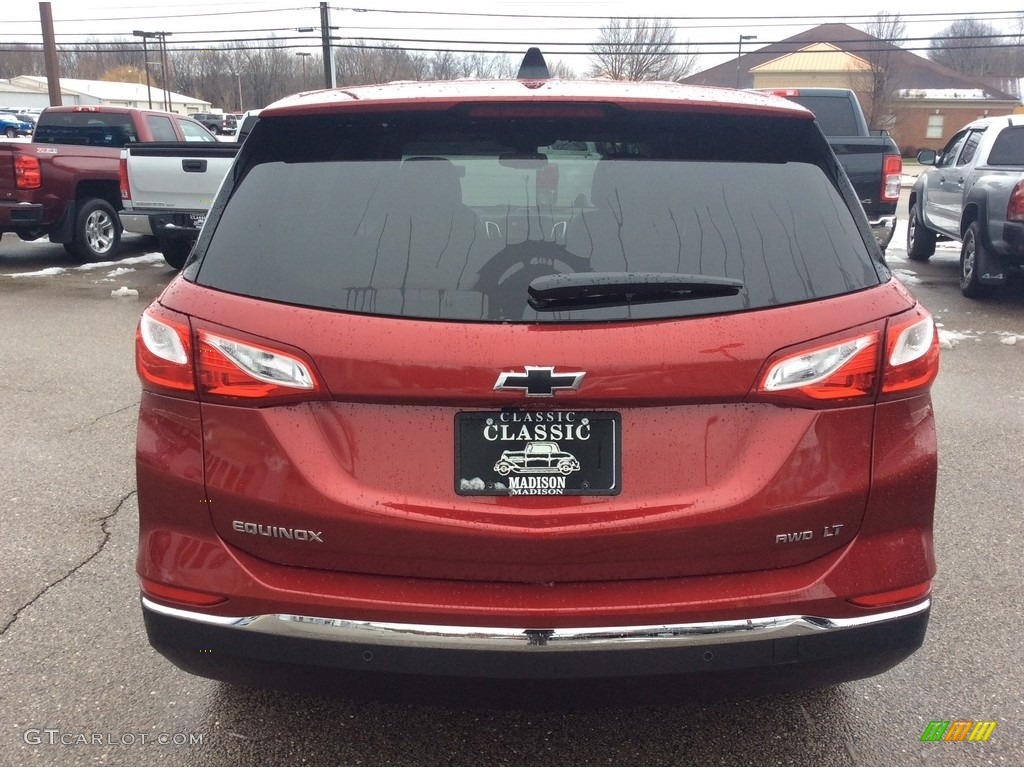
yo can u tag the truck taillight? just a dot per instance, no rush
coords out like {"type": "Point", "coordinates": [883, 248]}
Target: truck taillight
{"type": "Point", "coordinates": [126, 192]}
{"type": "Point", "coordinates": [1015, 208]}
{"type": "Point", "coordinates": [892, 176]}
{"type": "Point", "coordinates": [27, 173]}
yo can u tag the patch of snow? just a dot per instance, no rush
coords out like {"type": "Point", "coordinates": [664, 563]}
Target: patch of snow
{"type": "Point", "coordinates": [124, 292]}
{"type": "Point", "coordinates": [949, 339]}
{"type": "Point", "coordinates": [1009, 338]}
{"type": "Point", "coordinates": [119, 271]}
{"type": "Point", "coordinates": [906, 276]}
{"type": "Point", "coordinates": [476, 484]}
{"type": "Point", "coordinates": [942, 93]}
{"type": "Point", "coordinates": [40, 273]}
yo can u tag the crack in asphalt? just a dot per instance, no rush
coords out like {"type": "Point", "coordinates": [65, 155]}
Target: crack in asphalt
{"type": "Point", "coordinates": [103, 416]}
{"type": "Point", "coordinates": [106, 537]}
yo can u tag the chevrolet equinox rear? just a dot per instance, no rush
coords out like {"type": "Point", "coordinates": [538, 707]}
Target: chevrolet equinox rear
{"type": "Point", "coordinates": [536, 385]}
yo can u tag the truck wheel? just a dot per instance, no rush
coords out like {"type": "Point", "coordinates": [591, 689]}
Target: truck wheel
{"type": "Point", "coordinates": [971, 255]}
{"type": "Point", "coordinates": [176, 251]}
{"type": "Point", "coordinates": [97, 232]}
{"type": "Point", "coordinates": [920, 239]}
{"type": "Point", "coordinates": [11, 132]}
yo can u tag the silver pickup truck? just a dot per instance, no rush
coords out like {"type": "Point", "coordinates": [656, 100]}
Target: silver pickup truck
{"type": "Point", "coordinates": [974, 193]}
{"type": "Point", "coordinates": [167, 189]}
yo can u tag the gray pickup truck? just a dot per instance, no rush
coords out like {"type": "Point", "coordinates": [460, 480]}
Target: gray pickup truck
{"type": "Point", "coordinates": [974, 193]}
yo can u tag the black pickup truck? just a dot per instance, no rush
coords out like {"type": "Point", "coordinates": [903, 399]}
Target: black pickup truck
{"type": "Point", "coordinates": [871, 159]}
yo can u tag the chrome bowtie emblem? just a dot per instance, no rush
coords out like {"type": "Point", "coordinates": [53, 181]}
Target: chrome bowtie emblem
{"type": "Point", "coordinates": [538, 381]}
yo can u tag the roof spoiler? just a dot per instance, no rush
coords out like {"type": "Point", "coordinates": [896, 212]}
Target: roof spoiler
{"type": "Point", "coordinates": [533, 67]}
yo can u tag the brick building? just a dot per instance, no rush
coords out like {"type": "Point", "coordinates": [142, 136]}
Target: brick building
{"type": "Point", "coordinates": [926, 102]}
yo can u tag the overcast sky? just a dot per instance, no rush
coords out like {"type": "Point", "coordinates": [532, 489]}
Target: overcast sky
{"type": "Point", "coordinates": [560, 28]}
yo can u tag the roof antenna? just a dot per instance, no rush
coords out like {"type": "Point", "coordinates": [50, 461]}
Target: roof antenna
{"type": "Point", "coordinates": [533, 67]}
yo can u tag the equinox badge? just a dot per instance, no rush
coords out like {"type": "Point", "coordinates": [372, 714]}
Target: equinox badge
{"type": "Point", "coordinates": [539, 381]}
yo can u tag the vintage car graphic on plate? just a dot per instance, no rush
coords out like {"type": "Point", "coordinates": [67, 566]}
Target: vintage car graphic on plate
{"type": "Point", "coordinates": [537, 458]}
{"type": "Point", "coordinates": [537, 453]}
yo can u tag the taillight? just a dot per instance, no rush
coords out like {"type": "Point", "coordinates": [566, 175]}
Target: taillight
{"type": "Point", "coordinates": [210, 365]}
{"type": "Point", "coordinates": [911, 354]}
{"type": "Point", "coordinates": [1015, 208]}
{"type": "Point", "coordinates": [233, 368]}
{"type": "Point", "coordinates": [892, 177]}
{"type": "Point", "coordinates": [163, 352]}
{"type": "Point", "coordinates": [126, 192]}
{"type": "Point", "coordinates": [857, 365]}
{"type": "Point", "coordinates": [836, 370]}
{"type": "Point", "coordinates": [27, 173]}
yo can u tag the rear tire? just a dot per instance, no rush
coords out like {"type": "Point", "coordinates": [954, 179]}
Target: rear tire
{"type": "Point", "coordinates": [97, 232]}
{"type": "Point", "coordinates": [920, 239]}
{"type": "Point", "coordinates": [176, 252]}
{"type": "Point", "coordinates": [971, 252]}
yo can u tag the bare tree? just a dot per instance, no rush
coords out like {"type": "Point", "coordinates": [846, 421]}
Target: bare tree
{"type": "Point", "coordinates": [882, 80]}
{"type": "Point", "coordinates": [361, 64]}
{"type": "Point", "coordinates": [641, 49]}
{"type": "Point", "coordinates": [973, 48]}
{"type": "Point", "coordinates": [21, 59]}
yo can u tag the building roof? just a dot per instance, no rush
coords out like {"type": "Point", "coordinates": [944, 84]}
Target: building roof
{"type": "Point", "coordinates": [818, 57]}
{"type": "Point", "coordinates": [913, 72]}
{"type": "Point", "coordinates": [108, 91]}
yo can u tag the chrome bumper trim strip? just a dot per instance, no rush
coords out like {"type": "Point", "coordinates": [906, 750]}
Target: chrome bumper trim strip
{"type": "Point", "coordinates": [498, 638]}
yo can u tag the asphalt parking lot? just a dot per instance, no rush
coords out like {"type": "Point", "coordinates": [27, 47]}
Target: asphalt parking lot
{"type": "Point", "coordinates": [81, 685]}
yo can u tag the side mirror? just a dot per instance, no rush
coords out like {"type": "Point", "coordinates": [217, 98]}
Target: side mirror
{"type": "Point", "coordinates": [926, 157]}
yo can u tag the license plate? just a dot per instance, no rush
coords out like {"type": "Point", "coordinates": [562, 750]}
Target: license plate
{"type": "Point", "coordinates": [198, 219]}
{"type": "Point", "coordinates": [537, 453]}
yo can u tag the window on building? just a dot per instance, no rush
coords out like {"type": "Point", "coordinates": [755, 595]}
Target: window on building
{"type": "Point", "coordinates": [935, 125]}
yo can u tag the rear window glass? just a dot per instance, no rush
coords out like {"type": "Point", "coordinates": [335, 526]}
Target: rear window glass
{"type": "Point", "coordinates": [1008, 148]}
{"type": "Point", "coordinates": [90, 129]}
{"type": "Point", "coordinates": [835, 115]}
{"type": "Point", "coordinates": [442, 216]}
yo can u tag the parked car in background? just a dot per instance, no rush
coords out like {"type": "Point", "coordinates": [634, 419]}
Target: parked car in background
{"type": "Point", "coordinates": [65, 183]}
{"type": "Point", "coordinates": [974, 193]}
{"type": "Point", "coordinates": [546, 388]}
{"type": "Point", "coordinates": [872, 160]}
{"type": "Point", "coordinates": [246, 123]}
{"type": "Point", "coordinates": [13, 126]}
{"type": "Point", "coordinates": [219, 123]}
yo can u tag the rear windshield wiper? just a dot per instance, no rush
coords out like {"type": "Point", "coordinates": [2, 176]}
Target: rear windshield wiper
{"type": "Point", "coordinates": [582, 290]}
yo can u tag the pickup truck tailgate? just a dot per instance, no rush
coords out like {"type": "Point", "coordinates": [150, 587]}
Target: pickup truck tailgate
{"type": "Point", "coordinates": [176, 176]}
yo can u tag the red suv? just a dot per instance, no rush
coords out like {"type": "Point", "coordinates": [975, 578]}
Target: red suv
{"type": "Point", "coordinates": [399, 285]}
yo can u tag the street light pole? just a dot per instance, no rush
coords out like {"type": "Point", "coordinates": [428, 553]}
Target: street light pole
{"type": "Point", "coordinates": [145, 52]}
{"type": "Point", "coordinates": [303, 55]}
{"type": "Point", "coordinates": [739, 55]}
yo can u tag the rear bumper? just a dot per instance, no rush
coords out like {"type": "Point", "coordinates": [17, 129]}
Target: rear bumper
{"type": "Point", "coordinates": [163, 224]}
{"type": "Point", "coordinates": [385, 660]}
{"type": "Point", "coordinates": [883, 228]}
{"type": "Point", "coordinates": [20, 216]}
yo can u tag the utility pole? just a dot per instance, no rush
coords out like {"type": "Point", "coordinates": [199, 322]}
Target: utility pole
{"type": "Point", "coordinates": [330, 80]}
{"type": "Point", "coordinates": [50, 54]}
